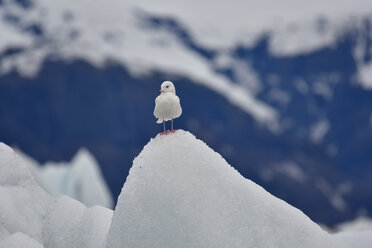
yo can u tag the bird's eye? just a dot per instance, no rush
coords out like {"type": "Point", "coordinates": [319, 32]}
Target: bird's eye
{"type": "Point", "coordinates": [168, 86]}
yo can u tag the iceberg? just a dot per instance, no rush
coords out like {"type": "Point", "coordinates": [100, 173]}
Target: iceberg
{"type": "Point", "coordinates": [30, 217]}
{"type": "Point", "coordinates": [180, 193]}
{"type": "Point", "coordinates": [23, 204]}
{"type": "Point", "coordinates": [81, 179]}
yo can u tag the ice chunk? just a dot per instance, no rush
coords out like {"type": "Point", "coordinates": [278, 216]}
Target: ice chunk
{"type": "Point", "coordinates": [12, 169]}
{"type": "Point", "coordinates": [62, 222]}
{"type": "Point", "coordinates": [18, 240]}
{"type": "Point", "coordinates": [361, 223]}
{"type": "Point", "coordinates": [70, 224]}
{"type": "Point", "coordinates": [29, 217]}
{"type": "Point", "coordinates": [23, 203]}
{"type": "Point", "coordinates": [180, 193]}
{"type": "Point", "coordinates": [361, 239]}
{"type": "Point", "coordinates": [93, 228]}
{"type": "Point", "coordinates": [81, 179]}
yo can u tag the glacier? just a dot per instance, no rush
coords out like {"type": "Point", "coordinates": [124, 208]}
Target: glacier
{"type": "Point", "coordinates": [179, 193]}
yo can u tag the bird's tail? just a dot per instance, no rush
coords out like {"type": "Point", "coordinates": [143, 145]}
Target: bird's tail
{"type": "Point", "coordinates": [159, 120]}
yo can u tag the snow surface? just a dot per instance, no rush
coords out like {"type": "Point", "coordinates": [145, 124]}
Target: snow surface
{"type": "Point", "coordinates": [356, 239]}
{"type": "Point", "coordinates": [355, 233]}
{"type": "Point", "coordinates": [70, 224]}
{"type": "Point", "coordinates": [180, 193]}
{"type": "Point", "coordinates": [81, 179]}
{"type": "Point", "coordinates": [361, 223]}
{"type": "Point", "coordinates": [23, 203]}
{"type": "Point", "coordinates": [19, 240]}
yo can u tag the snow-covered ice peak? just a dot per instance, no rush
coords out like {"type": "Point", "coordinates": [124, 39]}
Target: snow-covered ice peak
{"type": "Point", "coordinates": [180, 193]}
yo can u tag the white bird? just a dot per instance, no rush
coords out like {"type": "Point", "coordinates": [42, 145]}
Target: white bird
{"type": "Point", "coordinates": [167, 105]}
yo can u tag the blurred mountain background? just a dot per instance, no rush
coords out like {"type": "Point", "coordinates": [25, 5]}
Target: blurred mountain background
{"type": "Point", "coordinates": [283, 90]}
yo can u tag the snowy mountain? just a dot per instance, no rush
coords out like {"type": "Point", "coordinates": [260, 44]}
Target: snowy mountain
{"type": "Point", "coordinates": [281, 90]}
{"type": "Point", "coordinates": [215, 207]}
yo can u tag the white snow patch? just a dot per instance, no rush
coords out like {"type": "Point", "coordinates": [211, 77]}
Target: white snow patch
{"type": "Point", "coordinates": [323, 89]}
{"type": "Point", "coordinates": [335, 195]}
{"type": "Point", "coordinates": [294, 171]}
{"type": "Point", "coordinates": [364, 75]}
{"type": "Point", "coordinates": [287, 168]}
{"type": "Point", "coordinates": [180, 193]}
{"type": "Point", "coordinates": [319, 130]}
{"type": "Point", "coordinates": [248, 20]}
{"type": "Point", "coordinates": [300, 37]}
{"type": "Point", "coordinates": [364, 69]}
{"type": "Point", "coordinates": [246, 76]}
{"type": "Point", "coordinates": [302, 86]}
{"type": "Point", "coordinates": [280, 96]}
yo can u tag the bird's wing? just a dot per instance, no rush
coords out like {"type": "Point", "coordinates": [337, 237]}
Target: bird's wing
{"type": "Point", "coordinates": [157, 100]}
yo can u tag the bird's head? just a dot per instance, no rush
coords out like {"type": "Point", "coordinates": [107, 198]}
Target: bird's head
{"type": "Point", "coordinates": [167, 86]}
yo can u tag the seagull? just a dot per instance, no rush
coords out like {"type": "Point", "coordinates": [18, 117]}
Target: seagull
{"type": "Point", "coordinates": [167, 105]}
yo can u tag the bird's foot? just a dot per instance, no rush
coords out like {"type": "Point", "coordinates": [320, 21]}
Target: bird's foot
{"type": "Point", "coordinates": [168, 131]}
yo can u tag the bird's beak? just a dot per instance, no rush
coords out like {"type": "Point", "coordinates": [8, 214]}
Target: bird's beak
{"type": "Point", "coordinates": [160, 91]}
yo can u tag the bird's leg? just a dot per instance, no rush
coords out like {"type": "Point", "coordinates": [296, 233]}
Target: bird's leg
{"type": "Point", "coordinates": [165, 131]}
{"type": "Point", "coordinates": [172, 130]}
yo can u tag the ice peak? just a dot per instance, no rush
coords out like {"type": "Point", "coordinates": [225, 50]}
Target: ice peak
{"type": "Point", "coordinates": [180, 193]}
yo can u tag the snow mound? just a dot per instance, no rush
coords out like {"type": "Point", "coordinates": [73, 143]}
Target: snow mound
{"type": "Point", "coordinates": [360, 239]}
{"type": "Point", "coordinates": [180, 193]}
{"type": "Point", "coordinates": [71, 224]}
{"type": "Point", "coordinates": [81, 179]}
{"type": "Point", "coordinates": [23, 203]}
{"type": "Point", "coordinates": [18, 240]}
{"type": "Point", "coordinates": [361, 223]}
